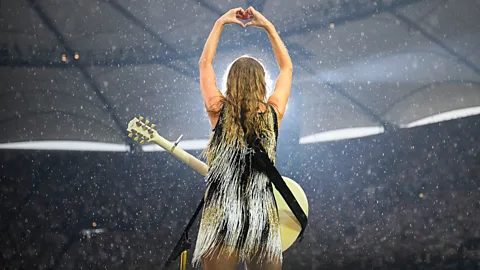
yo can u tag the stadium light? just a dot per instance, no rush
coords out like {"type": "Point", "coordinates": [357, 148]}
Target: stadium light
{"type": "Point", "coordinates": [445, 116]}
{"type": "Point", "coordinates": [66, 146]}
{"type": "Point", "coordinates": [342, 134]}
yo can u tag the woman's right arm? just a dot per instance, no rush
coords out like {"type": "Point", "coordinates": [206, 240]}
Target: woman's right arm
{"type": "Point", "coordinates": [280, 96]}
{"type": "Point", "coordinates": [208, 81]}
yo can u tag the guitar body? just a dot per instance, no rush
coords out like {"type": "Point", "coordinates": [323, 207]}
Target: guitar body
{"type": "Point", "coordinates": [289, 226]}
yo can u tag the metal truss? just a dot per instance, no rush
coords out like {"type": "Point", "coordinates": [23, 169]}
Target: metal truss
{"type": "Point", "coordinates": [411, 24]}
{"type": "Point", "coordinates": [90, 79]}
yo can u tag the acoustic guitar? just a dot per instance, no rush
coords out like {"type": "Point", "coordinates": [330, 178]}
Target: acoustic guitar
{"type": "Point", "coordinates": [289, 226]}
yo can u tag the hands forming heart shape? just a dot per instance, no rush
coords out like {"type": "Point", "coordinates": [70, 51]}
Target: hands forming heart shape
{"type": "Point", "coordinates": [239, 16]}
{"type": "Point", "coordinates": [244, 15]}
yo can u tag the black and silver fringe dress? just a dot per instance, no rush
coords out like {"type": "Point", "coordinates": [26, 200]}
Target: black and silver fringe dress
{"type": "Point", "coordinates": [240, 214]}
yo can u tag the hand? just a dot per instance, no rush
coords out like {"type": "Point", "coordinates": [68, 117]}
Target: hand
{"type": "Point", "coordinates": [258, 19]}
{"type": "Point", "coordinates": [233, 16]}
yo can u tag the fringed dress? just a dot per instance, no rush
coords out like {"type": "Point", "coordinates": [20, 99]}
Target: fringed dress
{"type": "Point", "coordinates": [240, 215]}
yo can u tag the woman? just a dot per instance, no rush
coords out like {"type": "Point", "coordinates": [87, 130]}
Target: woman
{"type": "Point", "coordinates": [240, 220]}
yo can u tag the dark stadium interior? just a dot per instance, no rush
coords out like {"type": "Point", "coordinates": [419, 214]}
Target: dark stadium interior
{"type": "Point", "coordinates": [392, 176]}
{"type": "Point", "coordinates": [366, 208]}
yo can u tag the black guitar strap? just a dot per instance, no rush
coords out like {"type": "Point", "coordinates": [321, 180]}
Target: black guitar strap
{"type": "Point", "coordinates": [262, 163]}
{"type": "Point", "coordinates": [184, 243]}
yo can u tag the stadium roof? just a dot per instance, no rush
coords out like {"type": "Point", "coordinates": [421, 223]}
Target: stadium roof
{"type": "Point", "coordinates": [80, 70]}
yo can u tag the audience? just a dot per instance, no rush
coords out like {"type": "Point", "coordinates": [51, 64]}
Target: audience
{"type": "Point", "coordinates": [401, 200]}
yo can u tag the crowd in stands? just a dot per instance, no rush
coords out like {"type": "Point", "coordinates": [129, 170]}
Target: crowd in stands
{"type": "Point", "coordinates": [402, 200]}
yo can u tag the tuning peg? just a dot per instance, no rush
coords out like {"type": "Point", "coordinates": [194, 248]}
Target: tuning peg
{"type": "Point", "coordinates": [136, 139]}
{"type": "Point", "coordinates": [142, 141]}
{"type": "Point", "coordinates": [141, 118]}
{"type": "Point", "coordinates": [147, 122]}
{"type": "Point", "coordinates": [153, 125]}
{"type": "Point", "coordinates": [130, 135]}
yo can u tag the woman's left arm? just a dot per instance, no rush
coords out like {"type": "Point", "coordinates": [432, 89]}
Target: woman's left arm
{"type": "Point", "coordinates": [208, 81]}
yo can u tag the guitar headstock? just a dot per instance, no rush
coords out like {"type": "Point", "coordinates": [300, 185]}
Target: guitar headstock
{"type": "Point", "coordinates": [141, 130]}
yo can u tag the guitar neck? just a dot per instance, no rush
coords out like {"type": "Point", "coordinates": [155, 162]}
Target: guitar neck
{"type": "Point", "coordinates": [182, 155]}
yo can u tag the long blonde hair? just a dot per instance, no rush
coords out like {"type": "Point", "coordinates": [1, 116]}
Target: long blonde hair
{"type": "Point", "coordinates": [246, 91]}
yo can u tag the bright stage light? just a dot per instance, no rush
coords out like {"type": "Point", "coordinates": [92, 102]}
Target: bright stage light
{"type": "Point", "coordinates": [66, 146]}
{"type": "Point", "coordinates": [342, 134]}
{"type": "Point", "coordinates": [445, 116]}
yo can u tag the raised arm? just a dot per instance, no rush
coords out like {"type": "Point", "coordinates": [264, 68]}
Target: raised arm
{"type": "Point", "coordinates": [280, 96]}
{"type": "Point", "coordinates": [208, 81]}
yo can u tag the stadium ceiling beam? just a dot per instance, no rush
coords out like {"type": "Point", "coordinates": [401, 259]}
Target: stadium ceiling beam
{"type": "Point", "coordinates": [49, 22]}
{"type": "Point", "coordinates": [388, 126]}
{"type": "Point", "coordinates": [48, 63]}
{"type": "Point", "coordinates": [347, 17]}
{"type": "Point", "coordinates": [425, 87]}
{"type": "Point", "coordinates": [413, 25]}
{"type": "Point", "coordinates": [129, 16]}
{"type": "Point", "coordinates": [303, 28]}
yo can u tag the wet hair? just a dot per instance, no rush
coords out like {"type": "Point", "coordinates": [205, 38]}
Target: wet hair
{"type": "Point", "coordinates": [246, 91]}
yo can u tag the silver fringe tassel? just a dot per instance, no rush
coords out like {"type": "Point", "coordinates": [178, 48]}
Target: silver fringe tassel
{"type": "Point", "coordinates": [225, 212]}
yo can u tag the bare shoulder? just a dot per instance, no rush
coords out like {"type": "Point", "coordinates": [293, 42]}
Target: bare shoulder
{"type": "Point", "coordinates": [213, 111]}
